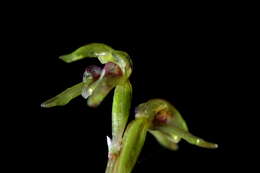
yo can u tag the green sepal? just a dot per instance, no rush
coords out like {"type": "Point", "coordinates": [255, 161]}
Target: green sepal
{"type": "Point", "coordinates": [64, 97]}
{"type": "Point", "coordinates": [186, 136]}
{"type": "Point", "coordinates": [104, 53]}
{"type": "Point", "coordinates": [165, 140]}
{"type": "Point", "coordinates": [93, 50]}
{"type": "Point", "coordinates": [100, 89]}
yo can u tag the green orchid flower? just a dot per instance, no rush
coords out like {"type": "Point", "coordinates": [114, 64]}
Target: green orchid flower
{"type": "Point", "coordinates": [164, 122]}
{"type": "Point", "coordinates": [156, 116]}
{"type": "Point", "coordinates": [97, 83]}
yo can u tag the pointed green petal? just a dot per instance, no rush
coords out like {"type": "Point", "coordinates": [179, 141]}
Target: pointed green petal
{"type": "Point", "coordinates": [64, 97]}
{"type": "Point", "coordinates": [165, 140]}
{"type": "Point", "coordinates": [111, 76]}
{"type": "Point", "coordinates": [187, 136]}
{"type": "Point", "coordinates": [91, 74]}
{"type": "Point", "coordinates": [99, 91]}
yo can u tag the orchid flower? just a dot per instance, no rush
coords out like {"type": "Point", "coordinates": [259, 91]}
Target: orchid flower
{"type": "Point", "coordinates": [164, 122]}
{"type": "Point", "coordinates": [97, 83]}
{"type": "Point", "coordinates": [156, 116]}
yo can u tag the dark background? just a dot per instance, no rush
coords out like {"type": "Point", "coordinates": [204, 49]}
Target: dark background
{"type": "Point", "coordinates": [185, 57]}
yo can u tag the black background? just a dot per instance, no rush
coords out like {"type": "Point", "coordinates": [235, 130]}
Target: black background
{"type": "Point", "coordinates": [184, 57]}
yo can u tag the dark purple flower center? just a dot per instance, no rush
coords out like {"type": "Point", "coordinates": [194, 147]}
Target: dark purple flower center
{"type": "Point", "coordinates": [94, 71]}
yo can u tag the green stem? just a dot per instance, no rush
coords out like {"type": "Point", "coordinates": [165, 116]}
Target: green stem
{"type": "Point", "coordinates": [120, 113]}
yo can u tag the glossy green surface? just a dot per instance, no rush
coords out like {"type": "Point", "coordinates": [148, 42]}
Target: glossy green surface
{"type": "Point", "coordinates": [132, 144]}
{"type": "Point", "coordinates": [100, 89]}
{"type": "Point", "coordinates": [187, 136]}
{"type": "Point", "coordinates": [104, 54]}
{"type": "Point", "coordinates": [64, 97]}
{"type": "Point", "coordinates": [156, 116]}
{"type": "Point", "coordinates": [165, 140]}
{"type": "Point", "coordinates": [121, 107]}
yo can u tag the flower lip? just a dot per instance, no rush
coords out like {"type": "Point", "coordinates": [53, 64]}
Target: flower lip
{"type": "Point", "coordinates": [93, 70]}
{"type": "Point", "coordinates": [111, 75]}
{"type": "Point", "coordinates": [162, 117]}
